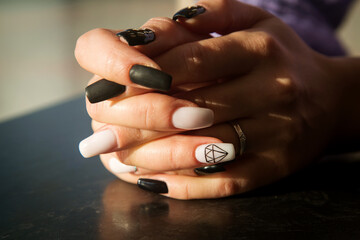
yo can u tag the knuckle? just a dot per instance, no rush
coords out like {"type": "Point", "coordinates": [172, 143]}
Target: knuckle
{"type": "Point", "coordinates": [149, 113]}
{"type": "Point", "coordinates": [287, 89]}
{"type": "Point", "coordinates": [227, 187]}
{"type": "Point", "coordinates": [172, 155]}
{"type": "Point", "coordinates": [193, 59]}
{"type": "Point", "coordinates": [263, 44]}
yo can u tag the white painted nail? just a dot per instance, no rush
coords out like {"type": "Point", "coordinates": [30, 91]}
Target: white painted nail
{"type": "Point", "coordinates": [215, 153]}
{"type": "Point", "coordinates": [118, 167]}
{"type": "Point", "coordinates": [192, 118]}
{"type": "Point", "coordinates": [99, 142]}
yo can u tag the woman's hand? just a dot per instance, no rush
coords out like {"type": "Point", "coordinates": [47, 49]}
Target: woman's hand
{"type": "Point", "coordinates": [258, 73]}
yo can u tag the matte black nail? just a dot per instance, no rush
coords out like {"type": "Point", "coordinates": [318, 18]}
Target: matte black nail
{"type": "Point", "coordinates": [103, 90]}
{"type": "Point", "coordinates": [189, 12]}
{"type": "Point", "coordinates": [150, 77]}
{"type": "Point", "coordinates": [137, 36]}
{"type": "Point", "coordinates": [210, 169]}
{"type": "Point", "coordinates": [153, 185]}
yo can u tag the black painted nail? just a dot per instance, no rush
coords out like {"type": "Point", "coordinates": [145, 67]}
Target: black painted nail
{"type": "Point", "coordinates": [103, 90]}
{"type": "Point", "coordinates": [210, 169]}
{"type": "Point", "coordinates": [137, 36]}
{"type": "Point", "coordinates": [152, 185]}
{"type": "Point", "coordinates": [150, 77]}
{"type": "Point", "coordinates": [189, 12]}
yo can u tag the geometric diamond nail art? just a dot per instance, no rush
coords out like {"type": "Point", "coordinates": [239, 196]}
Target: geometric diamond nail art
{"type": "Point", "coordinates": [214, 154]}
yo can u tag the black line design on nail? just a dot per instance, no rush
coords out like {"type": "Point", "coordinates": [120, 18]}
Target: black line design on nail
{"type": "Point", "coordinates": [152, 185]}
{"type": "Point", "coordinates": [103, 90]}
{"type": "Point", "coordinates": [150, 77]}
{"type": "Point", "coordinates": [189, 12]}
{"type": "Point", "coordinates": [137, 36]}
{"type": "Point", "coordinates": [214, 154]}
{"type": "Point", "coordinates": [210, 169]}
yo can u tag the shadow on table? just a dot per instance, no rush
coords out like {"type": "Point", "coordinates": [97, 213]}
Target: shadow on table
{"type": "Point", "coordinates": [319, 200]}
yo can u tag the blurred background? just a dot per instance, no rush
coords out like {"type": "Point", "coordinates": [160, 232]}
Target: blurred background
{"type": "Point", "coordinates": [37, 40]}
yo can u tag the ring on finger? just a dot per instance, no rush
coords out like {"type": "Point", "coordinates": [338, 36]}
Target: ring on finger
{"type": "Point", "coordinates": [242, 139]}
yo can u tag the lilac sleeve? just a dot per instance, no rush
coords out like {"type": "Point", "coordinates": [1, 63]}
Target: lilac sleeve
{"type": "Point", "coordinates": [315, 21]}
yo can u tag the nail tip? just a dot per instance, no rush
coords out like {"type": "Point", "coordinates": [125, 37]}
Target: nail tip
{"type": "Point", "coordinates": [135, 37]}
{"type": "Point", "coordinates": [82, 150]}
{"type": "Point", "coordinates": [191, 118]}
{"type": "Point", "coordinates": [189, 12]}
{"type": "Point", "coordinates": [152, 185]}
{"type": "Point", "coordinates": [103, 90]}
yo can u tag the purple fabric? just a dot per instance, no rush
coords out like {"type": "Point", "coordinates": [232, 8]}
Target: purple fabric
{"type": "Point", "coordinates": [315, 21]}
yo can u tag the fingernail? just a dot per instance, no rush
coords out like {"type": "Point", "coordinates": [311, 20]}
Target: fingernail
{"type": "Point", "coordinates": [215, 152]}
{"type": "Point", "coordinates": [189, 12]}
{"type": "Point", "coordinates": [99, 142]}
{"type": "Point", "coordinates": [152, 185]}
{"type": "Point", "coordinates": [118, 167]}
{"type": "Point", "coordinates": [137, 36]}
{"type": "Point", "coordinates": [209, 169]}
{"type": "Point", "coordinates": [192, 118]}
{"type": "Point", "coordinates": [150, 77]}
{"type": "Point", "coordinates": [103, 90]}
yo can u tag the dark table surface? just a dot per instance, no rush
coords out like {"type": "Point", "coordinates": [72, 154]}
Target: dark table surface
{"type": "Point", "coordinates": [48, 191]}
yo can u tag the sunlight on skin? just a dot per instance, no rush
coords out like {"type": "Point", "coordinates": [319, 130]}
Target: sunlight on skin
{"type": "Point", "coordinates": [203, 102]}
{"type": "Point", "coordinates": [284, 81]}
{"type": "Point", "coordinates": [278, 116]}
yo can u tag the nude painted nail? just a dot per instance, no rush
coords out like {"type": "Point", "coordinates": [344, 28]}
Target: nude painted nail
{"type": "Point", "coordinates": [215, 153]}
{"type": "Point", "coordinates": [118, 167]}
{"type": "Point", "coordinates": [192, 118]}
{"type": "Point", "coordinates": [99, 142]}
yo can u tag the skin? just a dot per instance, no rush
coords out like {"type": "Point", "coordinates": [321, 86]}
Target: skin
{"type": "Point", "coordinates": [291, 102]}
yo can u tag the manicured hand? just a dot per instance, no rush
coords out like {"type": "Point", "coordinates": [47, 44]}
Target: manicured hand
{"type": "Point", "coordinates": [258, 73]}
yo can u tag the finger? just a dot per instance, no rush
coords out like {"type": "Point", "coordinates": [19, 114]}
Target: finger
{"type": "Point", "coordinates": [152, 111]}
{"type": "Point", "coordinates": [238, 98]}
{"type": "Point", "coordinates": [211, 59]}
{"type": "Point", "coordinates": [239, 177]}
{"type": "Point", "coordinates": [167, 34]}
{"type": "Point", "coordinates": [243, 97]}
{"type": "Point", "coordinates": [221, 16]}
{"type": "Point", "coordinates": [188, 151]}
{"type": "Point", "coordinates": [113, 165]}
{"type": "Point", "coordinates": [95, 125]}
{"type": "Point", "coordinates": [101, 52]}
{"type": "Point", "coordinates": [178, 152]}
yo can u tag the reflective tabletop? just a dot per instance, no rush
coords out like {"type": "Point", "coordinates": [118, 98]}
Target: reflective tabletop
{"type": "Point", "coordinates": [48, 191]}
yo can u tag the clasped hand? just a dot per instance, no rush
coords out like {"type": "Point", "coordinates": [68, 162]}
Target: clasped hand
{"type": "Point", "coordinates": [257, 73]}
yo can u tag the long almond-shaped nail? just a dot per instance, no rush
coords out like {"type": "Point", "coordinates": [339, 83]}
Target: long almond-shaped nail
{"type": "Point", "coordinates": [136, 37]}
{"type": "Point", "coordinates": [150, 77]}
{"type": "Point", "coordinates": [103, 90]}
{"type": "Point", "coordinates": [118, 167]}
{"type": "Point", "coordinates": [99, 142]}
{"type": "Point", "coordinates": [189, 12]}
{"type": "Point", "coordinates": [215, 153]}
{"type": "Point", "coordinates": [152, 185]}
{"type": "Point", "coordinates": [192, 118]}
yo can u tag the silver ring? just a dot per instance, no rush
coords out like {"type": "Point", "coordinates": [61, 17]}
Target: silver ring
{"type": "Point", "coordinates": [241, 135]}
